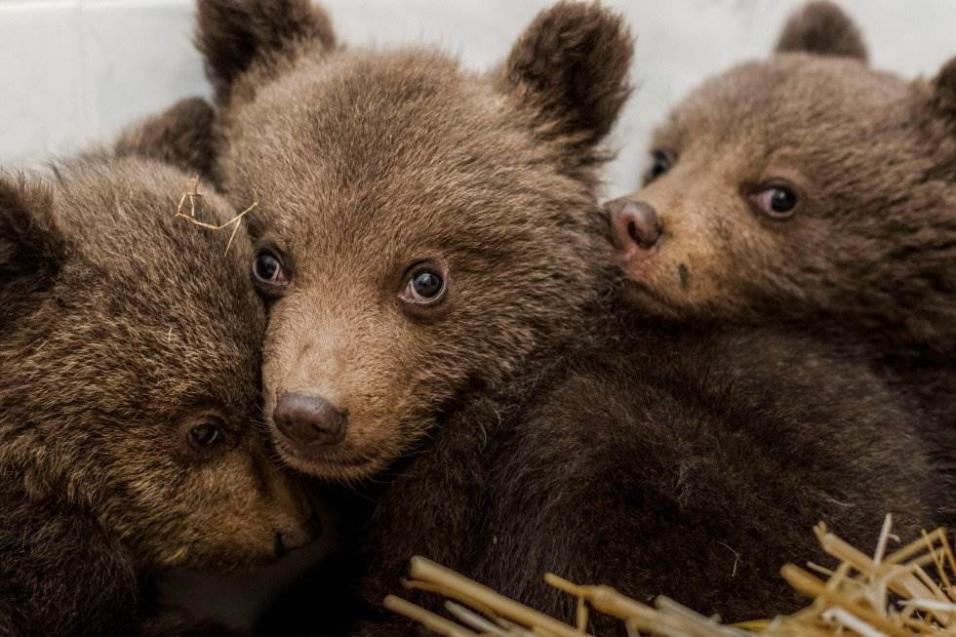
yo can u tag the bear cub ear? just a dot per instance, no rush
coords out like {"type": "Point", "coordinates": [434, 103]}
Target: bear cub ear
{"type": "Point", "coordinates": [232, 34]}
{"type": "Point", "coordinates": [31, 248]}
{"type": "Point", "coordinates": [822, 28]}
{"type": "Point", "coordinates": [945, 89]}
{"type": "Point", "coordinates": [571, 65]}
{"type": "Point", "coordinates": [182, 135]}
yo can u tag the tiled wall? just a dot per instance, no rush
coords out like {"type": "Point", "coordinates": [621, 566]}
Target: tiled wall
{"type": "Point", "coordinates": [74, 71]}
{"type": "Point", "coordinates": [71, 72]}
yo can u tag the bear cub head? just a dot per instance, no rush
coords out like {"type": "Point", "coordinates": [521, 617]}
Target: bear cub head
{"type": "Point", "coordinates": [806, 186]}
{"type": "Point", "coordinates": [422, 230]}
{"type": "Point", "coordinates": [130, 352]}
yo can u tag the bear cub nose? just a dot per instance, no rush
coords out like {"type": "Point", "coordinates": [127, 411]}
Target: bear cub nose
{"type": "Point", "coordinates": [634, 222]}
{"type": "Point", "coordinates": [308, 419]}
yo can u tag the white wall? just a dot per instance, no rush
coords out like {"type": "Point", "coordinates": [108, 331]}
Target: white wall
{"type": "Point", "coordinates": [74, 71]}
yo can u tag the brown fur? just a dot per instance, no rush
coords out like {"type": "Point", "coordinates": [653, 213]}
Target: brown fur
{"type": "Point", "coordinates": [123, 327]}
{"type": "Point", "coordinates": [870, 248]}
{"type": "Point", "coordinates": [498, 432]}
{"type": "Point", "coordinates": [181, 136]}
{"type": "Point", "coordinates": [822, 28]}
{"type": "Point", "coordinates": [677, 462]}
{"type": "Point", "coordinates": [569, 79]}
{"type": "Point", "coordinates": [249, 38]}
{"type": "Point", "coordinates": [357, 101]}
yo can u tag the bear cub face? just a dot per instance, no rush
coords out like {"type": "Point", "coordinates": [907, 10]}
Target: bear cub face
{"type": "Point", "coordinates": [420, 228]}
{"type": "Point", "coordinates": [804, 186]}
{"type": "Point", "coordinates": [130, 352]}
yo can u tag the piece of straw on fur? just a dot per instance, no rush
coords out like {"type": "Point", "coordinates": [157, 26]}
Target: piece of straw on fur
{"type": "Point", "coordinates": [901, 593]}
{"type": "Point", "coordinates": [193, 196]}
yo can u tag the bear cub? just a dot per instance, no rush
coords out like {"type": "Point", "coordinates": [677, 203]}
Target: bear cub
{"type": "Point", "coordinates": [808, 189]}
{"type": "Point", "coordinates": [130, 352]}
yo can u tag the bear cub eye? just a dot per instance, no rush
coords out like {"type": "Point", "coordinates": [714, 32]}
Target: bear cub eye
{"type": "Point", "coordinates": [204, 432]}
{"type": "Point", "coordinates": [776, 200]}
{"type": "Point", "coordinates": [268, 271]}
{"type": "Point", "coordinates": [424, 285]}
{"type": "Point", "coordinates": [205, 435]}
{"type": "Point", "coordinates": [661, 162]}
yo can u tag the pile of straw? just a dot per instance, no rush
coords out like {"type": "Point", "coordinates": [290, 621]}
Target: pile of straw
{"type": "Point", "coordinates": [903, 593]}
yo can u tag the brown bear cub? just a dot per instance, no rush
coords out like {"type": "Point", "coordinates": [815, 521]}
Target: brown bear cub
{"type": "Point", "coordinates": [435, 260]}
{"type": "Point", "coordinates": [130, 352]}
{"type": "Point", "coordinates": [808, 189]}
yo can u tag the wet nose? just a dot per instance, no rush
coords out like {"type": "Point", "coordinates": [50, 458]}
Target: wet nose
{"type": "Point", "coordinates": [634, 223]}
{"type": "Point", "coordinates": [308, 419]}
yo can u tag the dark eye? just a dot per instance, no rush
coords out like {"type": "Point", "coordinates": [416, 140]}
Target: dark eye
{"type": "Point", "coordinates": [661, 162]}
{"type": "Point", "coordinates": [267, 268]}
{"type": "Point", "coordinates": [425, 285]}
{"type": "Point", "coordinates": [777, 200]}
{"type": "Point", "coordinates": [206, 434]}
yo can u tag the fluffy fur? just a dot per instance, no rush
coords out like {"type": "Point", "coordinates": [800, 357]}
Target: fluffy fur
{"type": "Point", "coordinates": [496, 430]}
{"type": "Point", "coordinates": [347, 108]}
{"type": "Point", "coordinates": [822, 28]}
{"type": "Point", "coordinates": [123, 329]}
{"type": "Point", "coordinates": [180, 136]}
{"type": "Point", "coordinates": [691, 464]}
{"type": "Point", "coordinates": [867, 253]}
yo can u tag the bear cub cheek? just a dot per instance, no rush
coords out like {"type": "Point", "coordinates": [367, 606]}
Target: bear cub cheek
{"type": "Point", "coordinates": [265, 510]}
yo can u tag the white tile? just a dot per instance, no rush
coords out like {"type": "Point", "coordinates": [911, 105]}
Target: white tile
{"type": "Point", "coordinates": [77, 70]}
{"type": "Point", "coordinates": [40, 78]}
{"type": "Point", "coordinates": [137, 57]}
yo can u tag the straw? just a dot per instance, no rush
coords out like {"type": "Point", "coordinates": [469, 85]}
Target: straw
{"type": "Point", "coordinates": [195, 198]}
{"type": "Point", "coordinates": [893, 593]}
